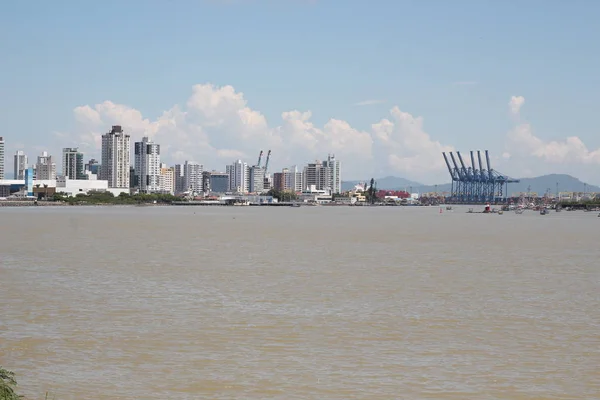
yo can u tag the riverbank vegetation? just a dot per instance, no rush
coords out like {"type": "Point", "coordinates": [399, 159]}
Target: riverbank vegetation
{"type": "Point", "coordinates": [8, 385]}
{"type": "Point", "coordinates": [122, 199]}
{"type": "Point", "coordinates": [283, 195]}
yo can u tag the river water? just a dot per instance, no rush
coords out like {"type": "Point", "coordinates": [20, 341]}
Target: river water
{"type": "Point", "coordinates": [301, 303]}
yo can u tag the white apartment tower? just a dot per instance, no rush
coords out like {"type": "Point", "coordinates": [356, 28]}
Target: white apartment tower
{"type": "Point", "coordinates": [147, 166]}
{"type": "Point", "coordinates": [239, 177]}
{"type": "Point", "coordinates": [45, 168]}
{"type": "Point", "coordinates": [1, 158]}
{"type": "Point", "coordinates": [20, 165]}
{"type": "Point", "coordinates": [292, 179]}
{"type": "Point", "coordinates": [334, 179]}
{"type": "Point", "coordinates": [116, 158]}
{"type": "Point", "coordinates": [192, 173]}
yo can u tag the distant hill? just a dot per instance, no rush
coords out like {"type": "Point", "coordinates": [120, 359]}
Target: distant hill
{"type": "Point", "coordinates": [539, 185]}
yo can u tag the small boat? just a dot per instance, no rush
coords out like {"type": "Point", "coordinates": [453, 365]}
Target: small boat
{"type": "Point", "coordinates": [543, 211]}
{"type": "Point", "coordinates": [500, 212]}
{"type": "Point", "coordinates": [519, 211]}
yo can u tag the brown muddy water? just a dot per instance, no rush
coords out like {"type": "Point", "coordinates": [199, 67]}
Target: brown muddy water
{"type": "Point", "coordinates": [305, 303]}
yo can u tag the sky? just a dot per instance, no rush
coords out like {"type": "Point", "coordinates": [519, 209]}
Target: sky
{"type": "Point", "coordinates": [386, 86]}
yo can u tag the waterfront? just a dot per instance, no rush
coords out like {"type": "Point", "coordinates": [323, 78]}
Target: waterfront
{"type": "Point", "coordinates": [305, 303]}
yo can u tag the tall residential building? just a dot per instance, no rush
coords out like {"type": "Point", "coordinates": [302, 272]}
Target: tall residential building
{"type": "Point", "coordinates": [192, 172]}
{"type": "Point", "coordinates": [179, 179]}
{"type": "Point", "coordinates": [314, 174]}
{"type": "Point", "coordinates": [324, 175]}
{"type": "Point", "coordinates": [288, 179]}
{"type": "Point", "coordinates": [256, 179]}
{"type": "Point", "coordinates": [239, 177]}
{"type": "Point", "coordinates": [334, 178]}
{"type": "Point", "coordinates": [1, 157]}
{"type": "Point", "coordinates": [72, 164]}
{"type": "Point", "coordinates": [20, 165]}
{"type": "Point", "coordinates": [147, 166]}
{"type": "Point", "coordinates": [116, 158]}
{"type": "Point", "coordinates": [45, 168]}
{"type": "Point", "coordinates": [167, 179]}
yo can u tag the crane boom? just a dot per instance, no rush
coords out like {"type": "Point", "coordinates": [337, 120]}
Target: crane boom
{"type": "Point", "coordinates": [452, 174]}
{"type": "Point", "coordinates": [481, 173]}
{"type": "Point", "coordinates": [487, 159]}
{"type": "Point", "coordinates": [259, 158]}
{"type": "Point", "coordinates": [458, 172]}
{"type": "Point", "coordinates": [474, 166]}
{"type": "Point", "coordinates": [462, 164]}
{"type": "Point", "coordinates": [267, 161]}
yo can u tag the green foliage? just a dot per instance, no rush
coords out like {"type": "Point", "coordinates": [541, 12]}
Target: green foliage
{"type": "Point", "coordinates": [283, 195]}
{"type": "Point", "coordinates": [8, 385]}
{"type": "Point", "coordinates": [122, 199]}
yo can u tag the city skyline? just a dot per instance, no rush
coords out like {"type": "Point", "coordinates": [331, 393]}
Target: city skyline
{"type": "Point", "coordinates": [387, 98]}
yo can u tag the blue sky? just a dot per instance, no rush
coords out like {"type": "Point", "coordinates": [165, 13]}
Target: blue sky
{"type": "Point", "coordinates": [455, 64]}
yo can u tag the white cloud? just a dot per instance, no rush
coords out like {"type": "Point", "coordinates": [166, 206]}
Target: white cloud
{"type": "Point", "coordinates": [369, 102]}
{"type": "Point", "coordinates": [217, 126]}
{"type": "Point", "coordinates": [572, 150]}
{"type": "Point", "coordinates": [515, 104]}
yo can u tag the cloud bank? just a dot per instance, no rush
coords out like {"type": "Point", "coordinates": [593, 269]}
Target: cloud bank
{"type": "Point", "coordinates": [215, 126]}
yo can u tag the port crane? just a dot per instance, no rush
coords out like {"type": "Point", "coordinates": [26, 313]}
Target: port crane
{"type": "Point", "coordinates": [477, 183]}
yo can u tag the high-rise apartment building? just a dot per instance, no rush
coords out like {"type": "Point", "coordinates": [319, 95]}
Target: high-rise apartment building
{"type": "Point", "coordinates": [1, 157]}
{"type": "Point", "coordinates": [256, 179]}
{"type": "Point", "coordinates": [167, 179]}
{"type": "Point", "coordinates": [72, 164]}
{"type": "Point", "coordinates": [147, 166]}
{"type": "Point", "coordinates": [179, 178]}
{"type": "Point", "coordinates": [239, 177]}
{"type": "Point", "coordinates": [20, 165]}
{"type": "Point", "coordinates": [45, 168]}
{"type": "Point", "coordinates": [288, 179]}
{"type": "Point", "coordinates": [334, 178]}
{"type": "Point", "coordinates": [324, 175]}
{"type": "Point", "coordinates": [192, 172]}
{"type": "Point", "coordinates": [314, 175]}
{"type": "Point", "coordinates": [116, 158]}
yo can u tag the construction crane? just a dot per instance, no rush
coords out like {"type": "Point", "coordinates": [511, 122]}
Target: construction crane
{"type": "Point", "coordinates": [267, 161]}
{"type": "Point", "coordinates": [259, 159]}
